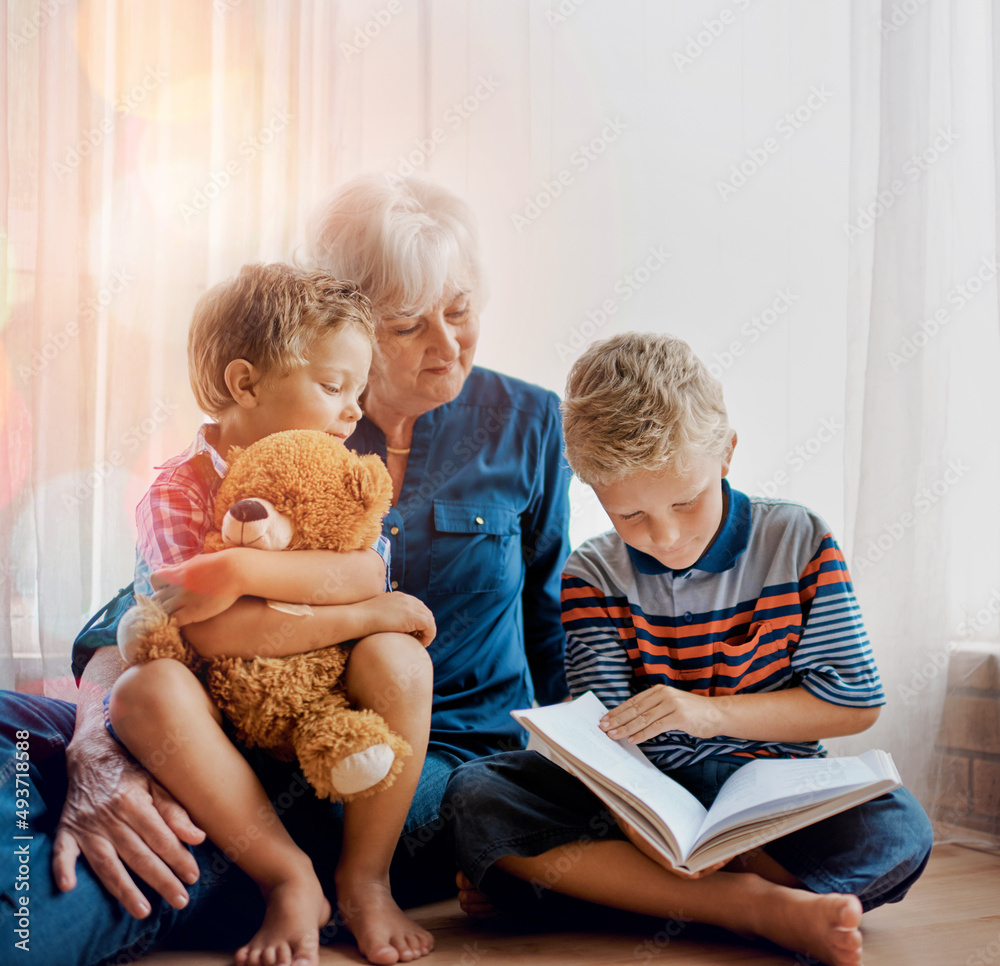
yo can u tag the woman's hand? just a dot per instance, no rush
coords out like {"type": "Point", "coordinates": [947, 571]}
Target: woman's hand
{"type": "Point", "coordinates": [116, 815]}
{"type": "Point", "coordinates": [198, 589]}
{"type": "Point", "coordinates": [660, 709]}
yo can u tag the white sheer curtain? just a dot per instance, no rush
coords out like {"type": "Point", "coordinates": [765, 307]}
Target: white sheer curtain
{"type": "Point", "coordinates": [149, 150]}
{"type": "Point", "coordinates": [923, 394]}
{"type": "Point", "coordinates": [671, 166]}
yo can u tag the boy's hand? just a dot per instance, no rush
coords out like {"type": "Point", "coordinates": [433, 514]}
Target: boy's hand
{"type": "Point", "coordinates": [403, 614]}
{"type": "Point", "coordinates": [660, 709]}
{"type": "Point", "coordinates": [198, 589]}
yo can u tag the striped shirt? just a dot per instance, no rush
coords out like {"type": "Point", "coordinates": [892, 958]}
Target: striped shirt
{"type": "Point", "coordinates": [177, 513]}
{"type": "Point", "coordinates": [768, 606]}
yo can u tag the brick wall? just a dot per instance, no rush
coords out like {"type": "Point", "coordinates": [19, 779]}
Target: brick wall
{"type": "Point", "coordinates": [968, 748]}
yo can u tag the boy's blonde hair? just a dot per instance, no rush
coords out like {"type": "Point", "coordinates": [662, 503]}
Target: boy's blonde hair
{"type": "Point", "coordinates": [269, 315]}
{"type": "Point", "coordinates": [640, 401]}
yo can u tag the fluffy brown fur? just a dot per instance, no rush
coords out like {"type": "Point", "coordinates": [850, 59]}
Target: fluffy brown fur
{"type": "Point", "coordinates": [294, 706]}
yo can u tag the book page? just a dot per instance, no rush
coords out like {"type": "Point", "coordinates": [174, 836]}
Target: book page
{"type": "Point", "coordinates": [767, 828]}
{"type": "Point", "coordinates": [573, 729]}
{"type": "Point", "coordinates": [662, 840]}
{"type": "Point", "coordinates": [771, 787]}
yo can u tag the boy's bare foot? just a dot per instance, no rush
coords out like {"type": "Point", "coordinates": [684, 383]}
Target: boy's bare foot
{"type": "Point", "coordinates": [383, 932]}
{"type": "Point", "coordinates": [825, 927]}
{"type": "Point", "coordinates": [289, 936]}
{"type": "Point", "coordinates": [475, 904]}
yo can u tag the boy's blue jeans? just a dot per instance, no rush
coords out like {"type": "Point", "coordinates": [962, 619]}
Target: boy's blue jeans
{"type": "Point", "coordinates": [88, 925]}
{"type": "Point", "coordinates": [519, 803]}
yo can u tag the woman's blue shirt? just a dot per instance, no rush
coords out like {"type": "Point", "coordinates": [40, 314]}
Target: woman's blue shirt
{"type": "Point", "coordinates": [480, 534]}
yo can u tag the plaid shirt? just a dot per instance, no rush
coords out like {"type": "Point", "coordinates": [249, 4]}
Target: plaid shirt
{"type": "Point", "coordinates": [178, 511]}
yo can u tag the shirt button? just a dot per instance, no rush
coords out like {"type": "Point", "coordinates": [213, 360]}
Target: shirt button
{"type": "Point", "coordinates": [394, 585]}
{"type": "Point", "coordinates": [688, 617]}
{"type": "Point", "coordinates": [394, 531]}
{"type": "Point", "coordinates": [480, 521]}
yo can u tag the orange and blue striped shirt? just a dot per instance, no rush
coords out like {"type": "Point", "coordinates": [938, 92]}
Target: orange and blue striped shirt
{"type": "Point", "coordinates": [768, 606]}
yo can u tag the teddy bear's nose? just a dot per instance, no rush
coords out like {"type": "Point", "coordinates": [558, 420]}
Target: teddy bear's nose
{"type": "Point", "coordinates": [248, 510]}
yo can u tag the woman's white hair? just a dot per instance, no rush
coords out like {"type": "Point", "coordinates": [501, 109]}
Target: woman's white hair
{"type": "Point", "coordinates": [405, 241]}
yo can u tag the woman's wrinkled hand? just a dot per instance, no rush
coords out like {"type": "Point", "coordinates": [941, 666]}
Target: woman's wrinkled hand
{"type": "Point", "coordinates": [119, 819]}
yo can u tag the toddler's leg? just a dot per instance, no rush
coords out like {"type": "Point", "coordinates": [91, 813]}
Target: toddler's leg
{"type": "Point", "coordinates": [165, 718]}
{"type": "Point", "coordinates": [523, 817]}
{"type": "Point", "coordinates": [390, 674]}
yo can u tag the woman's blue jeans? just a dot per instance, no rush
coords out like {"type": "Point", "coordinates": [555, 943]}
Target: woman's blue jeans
{"type": "Point", "coordinates": [89, 926]}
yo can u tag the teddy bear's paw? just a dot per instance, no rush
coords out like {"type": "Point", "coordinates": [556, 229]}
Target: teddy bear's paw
{"type": "Point", "coordinates": [140, 623]}
{"type": "Point", "coordinates": [362, 770]}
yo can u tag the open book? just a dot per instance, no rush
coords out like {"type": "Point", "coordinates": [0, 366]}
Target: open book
{"type": "Point", "coordinates": [763, 800]}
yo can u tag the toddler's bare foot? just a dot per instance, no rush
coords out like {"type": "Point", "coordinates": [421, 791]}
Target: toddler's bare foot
{"type": "Point", "coordinates": [383, 932]}
{"type": "Point", "coordinates": [289, 936]}
{"type": "Point", "coordinates": [475, 904]}
{"type": "Point", "coordinates": [825, 927]}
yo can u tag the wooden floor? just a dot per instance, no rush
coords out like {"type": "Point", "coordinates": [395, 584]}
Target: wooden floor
{"type": "Point", "coordinates": [950, 918]}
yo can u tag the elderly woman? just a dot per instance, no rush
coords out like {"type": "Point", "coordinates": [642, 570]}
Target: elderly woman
{"type": "Point", "coordinates": [478, 531]}
{"type": "Point", "coordinates": [478, 526]}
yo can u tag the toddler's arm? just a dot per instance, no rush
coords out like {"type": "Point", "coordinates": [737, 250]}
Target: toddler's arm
{"type": "Point", "coordinates": [251, 628]}
{"type": "Point", "coordinates": [208, 584]}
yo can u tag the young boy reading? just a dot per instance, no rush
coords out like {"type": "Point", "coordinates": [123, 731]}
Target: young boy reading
{"type": "Point", "coordinates": [717, 628]}
{"type": "Point", "coordinates": [271, 349]}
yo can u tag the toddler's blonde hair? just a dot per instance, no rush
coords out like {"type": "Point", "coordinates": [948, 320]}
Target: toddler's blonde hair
{"type": "Point", "coordinates": [269, 315]}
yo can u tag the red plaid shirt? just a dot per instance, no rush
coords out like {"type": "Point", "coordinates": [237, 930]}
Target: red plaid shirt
{"type": "Point", "coordinates": [178, 511]}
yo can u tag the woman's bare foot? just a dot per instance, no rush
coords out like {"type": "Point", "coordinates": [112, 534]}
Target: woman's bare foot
{"type": "Point", "coordinates": [289, 936]}
{"type": "Point", "coordinates": [475, 904]}
{"type": "Point", "coordinates": [383, 932]}
{"type": "Point", "coordinates": [825, 927]}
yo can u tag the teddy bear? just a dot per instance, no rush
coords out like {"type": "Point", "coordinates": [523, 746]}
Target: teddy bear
{"type": "Point", "coordinates": [298, 489]}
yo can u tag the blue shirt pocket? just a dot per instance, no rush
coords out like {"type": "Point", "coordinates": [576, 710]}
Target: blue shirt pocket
{"type": "Point", "coordinates": [474, 548]}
